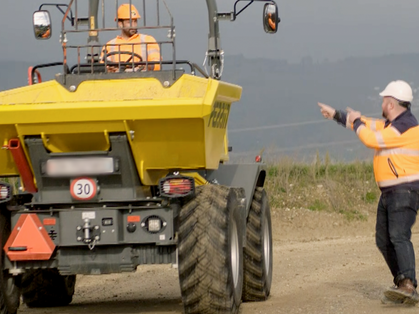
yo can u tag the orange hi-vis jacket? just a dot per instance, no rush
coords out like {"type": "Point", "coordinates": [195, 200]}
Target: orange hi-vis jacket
{"type": "Point", "coordinates": [143, 45]}
{"type": "Point", "coordinates": [396, 144]}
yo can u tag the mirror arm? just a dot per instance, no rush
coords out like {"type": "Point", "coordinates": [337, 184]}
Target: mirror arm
{"type": "Point", "coordinates": [58, 6]}
{"type": "Point", "coordinates": [235, 13]}
{"type": "Point", "coordinates": [227, 16]}
{"type": "Point", "coordinates": [70, 18]}
{"type": "Point", "coordinates": [244, 8]}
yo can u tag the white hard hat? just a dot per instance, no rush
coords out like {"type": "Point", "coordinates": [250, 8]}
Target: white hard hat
{"type": "Point", "coordinates": [399, 90]}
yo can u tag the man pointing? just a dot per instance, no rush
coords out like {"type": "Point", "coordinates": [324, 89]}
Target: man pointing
{"type": "Point", "coordinates": [395, 140]}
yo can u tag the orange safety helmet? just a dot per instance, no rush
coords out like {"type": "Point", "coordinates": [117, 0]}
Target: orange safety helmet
{"type": "Point", "coordinates": [124, 12]}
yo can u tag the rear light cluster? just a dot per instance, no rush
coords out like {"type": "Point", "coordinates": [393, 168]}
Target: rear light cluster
{"type": "Point", "coordinates": [5, 192]}
{"type": "Point", "coordinates": [176, 186]}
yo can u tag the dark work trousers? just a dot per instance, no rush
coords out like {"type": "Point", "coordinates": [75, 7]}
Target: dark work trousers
{"type": "Point", "coordinates": [396, 215]}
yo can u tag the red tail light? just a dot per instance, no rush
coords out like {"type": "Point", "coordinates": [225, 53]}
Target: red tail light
{"type": "Point", "coordinates": [176, 186]}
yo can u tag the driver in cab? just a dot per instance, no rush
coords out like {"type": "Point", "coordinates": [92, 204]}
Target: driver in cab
{"type": "Point", "coordinates": [271, 21]}
{"type": "Point", "coordinates": [130, 46]}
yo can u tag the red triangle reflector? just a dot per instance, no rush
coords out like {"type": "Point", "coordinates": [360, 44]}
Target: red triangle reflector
{"type": "Point", "coordinates": [29, 240]}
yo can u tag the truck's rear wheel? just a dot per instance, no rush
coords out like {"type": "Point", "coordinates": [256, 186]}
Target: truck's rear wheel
{"type": "Point", "coordinates": [9, 285]}
{"type": "Point", "coordinates": [211, 252]}
{"type": "Point", "coordinates": [47, 288]}
{"type": "Point", "coordinates": [258, 250]}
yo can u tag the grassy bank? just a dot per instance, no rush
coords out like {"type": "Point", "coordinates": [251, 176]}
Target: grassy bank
{"type": "Point", "coordinates": [345, 188]}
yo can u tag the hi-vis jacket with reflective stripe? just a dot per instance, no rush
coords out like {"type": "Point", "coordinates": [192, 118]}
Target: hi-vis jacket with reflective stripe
{"type": "Point", "coordinates": [396, 144]}
{"type": "Point", "coordinates": [143, 45]}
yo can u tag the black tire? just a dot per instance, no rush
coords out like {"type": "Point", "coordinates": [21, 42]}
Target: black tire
{"type": "Point", "coordinates": [258, 251]}
{"type": "Point", "coordinates": [9, 285]}
{"type": "Point", "coordinates": [47, 288]}
{"type": "Point", "coordinates": [211, 252]}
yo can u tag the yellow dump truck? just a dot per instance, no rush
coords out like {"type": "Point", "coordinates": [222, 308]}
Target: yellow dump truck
{"type": "Point", "coordinates": [123, 160]}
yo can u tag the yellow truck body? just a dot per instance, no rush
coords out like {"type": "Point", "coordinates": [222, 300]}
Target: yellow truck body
{"type": "Point", "coordinates": [178, 127]}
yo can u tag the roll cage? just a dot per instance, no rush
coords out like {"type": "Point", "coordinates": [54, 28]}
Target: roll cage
{"type": "Point", "coordinates": [96, 63]}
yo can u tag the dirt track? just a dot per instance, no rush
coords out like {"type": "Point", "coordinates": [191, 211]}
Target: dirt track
{"type": "Point", "coordinates": [322, 264]}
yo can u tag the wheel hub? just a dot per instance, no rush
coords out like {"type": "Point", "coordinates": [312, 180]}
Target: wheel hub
{"type": "Point", "coordinates": [235, 254]}
{"type": "Point", "coordinates": [266, 247]}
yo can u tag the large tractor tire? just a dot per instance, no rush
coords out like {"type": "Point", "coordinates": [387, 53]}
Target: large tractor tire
{"type": "Point", "coordinates": [211, 252]}
{"type": "Point", "coordinates": [47, 288]}
{"type": "Point", "coordinates": [258, 250]}
{"type": "Point", "coordinates": [9, 285]}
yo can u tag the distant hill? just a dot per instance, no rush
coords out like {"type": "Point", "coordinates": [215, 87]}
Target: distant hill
{"type": "Point", "coordinates": [279, 110]}
{"type": "Point", "coordinates": [277, 95]}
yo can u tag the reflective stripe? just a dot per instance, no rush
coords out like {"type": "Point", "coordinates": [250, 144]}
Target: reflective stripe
{"type": "Point", "coordinates": [406, 179]}
{"type": "Point", "coordinates": [112, 49]}
{"type": "Point", "coordinates": [113, 42]}
{"type": "Point", "coordinates": [361, 127]}
{"type": "Point", "coordinates": [151, 51]}
{"type": "Point", "coordinates": [378, 136]}
{"type": "Point", "coordinates": [374, 125]}
{"type": "Point", "coordinates": [143, 47]}
{"type": "Point", "coordinates": [380, 140]}
{"type": "Point", "coordinates": [397, 151]}
{"type": "Point", "coordinates": [395, 131]}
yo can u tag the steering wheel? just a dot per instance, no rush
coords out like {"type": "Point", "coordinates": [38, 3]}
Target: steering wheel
{"type": "Point", "coordinates": [123, 66]}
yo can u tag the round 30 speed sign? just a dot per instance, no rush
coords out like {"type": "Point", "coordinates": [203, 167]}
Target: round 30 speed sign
{"type": "Point", "coordinates": [83, 189]}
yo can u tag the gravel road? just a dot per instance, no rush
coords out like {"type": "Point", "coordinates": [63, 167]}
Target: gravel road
{"type": "Point", "coordinates": [317, 269]}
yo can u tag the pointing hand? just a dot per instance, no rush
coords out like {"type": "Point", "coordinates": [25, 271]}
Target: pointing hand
{"type": "Point", "coordinates": [327, 111]}
{"type": "Point", "coordinates": [352, 115]}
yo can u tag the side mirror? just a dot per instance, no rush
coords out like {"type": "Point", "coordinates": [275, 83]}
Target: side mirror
{"type": "Point", "coordinates": [42, 25]}
{"type": "Point", "coordinates": [270, 18]}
